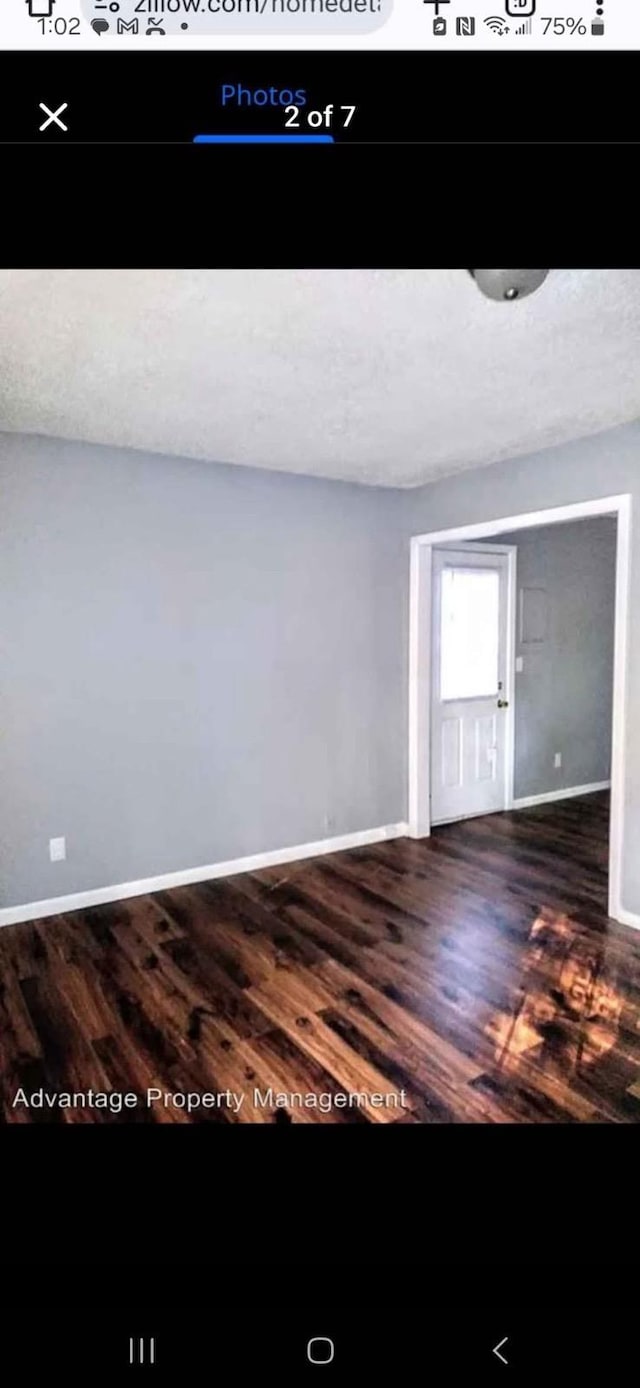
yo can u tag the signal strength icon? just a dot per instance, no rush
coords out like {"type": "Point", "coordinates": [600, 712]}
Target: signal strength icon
{"type": "Point", "coordinates": [497, 25]}
{"type": "Point", "coordinates": [524, 28]}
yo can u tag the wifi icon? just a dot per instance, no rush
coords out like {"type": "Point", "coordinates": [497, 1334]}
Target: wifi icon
{"type": "Point", "coordinates": [497, 25]}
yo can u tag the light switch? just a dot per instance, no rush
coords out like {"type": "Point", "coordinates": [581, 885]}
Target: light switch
{"type": "Point", "coordinates": [519, 664]}
{"type": "Point", "coordinates": [57, 850]}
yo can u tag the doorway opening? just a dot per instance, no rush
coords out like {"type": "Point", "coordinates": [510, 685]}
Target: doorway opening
{"type": "Point", "coordinates": [504, 681]}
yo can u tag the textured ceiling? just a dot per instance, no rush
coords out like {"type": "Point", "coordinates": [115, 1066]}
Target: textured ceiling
{"type": "Point", "coordinates": [380, 376]}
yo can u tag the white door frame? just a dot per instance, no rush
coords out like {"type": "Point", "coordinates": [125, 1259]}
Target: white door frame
{"type": "Point", "coordinates": [420, 661]}
{"type": "Point", "coordinates": [510, 658]}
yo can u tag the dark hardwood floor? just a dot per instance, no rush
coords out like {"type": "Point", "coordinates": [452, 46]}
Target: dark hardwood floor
{"type": "Point", "coordinates": [471, 977]}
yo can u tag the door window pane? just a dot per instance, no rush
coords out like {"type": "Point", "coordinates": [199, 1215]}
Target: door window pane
{"type": "Point", "coordinates": [469, 633]}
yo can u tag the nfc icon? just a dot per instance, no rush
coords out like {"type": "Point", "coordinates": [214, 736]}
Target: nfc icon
{"type": "Point", "coordinates": [520, 9]}
{"type": "Point", "coordinates": [466, 26]}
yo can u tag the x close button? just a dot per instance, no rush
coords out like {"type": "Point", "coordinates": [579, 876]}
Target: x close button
{"type": "Point", "coordinates": [53, 117]}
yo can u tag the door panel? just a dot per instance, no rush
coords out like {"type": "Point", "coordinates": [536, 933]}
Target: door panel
{"type": "Point", "coordinates": [451, 741]}
{"type": "Point", "coordinates": [486, 742]}
{"type": "Point", "coordinates": [469, 682]}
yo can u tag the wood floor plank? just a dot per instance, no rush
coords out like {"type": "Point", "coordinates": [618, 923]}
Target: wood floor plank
{"type": "Point", "coordinates": [348, 1066]}
{"type": "Point", "coordinates": [476, 972]}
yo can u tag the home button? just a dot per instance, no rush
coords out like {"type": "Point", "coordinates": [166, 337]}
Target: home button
{"type": "Point", "coordinates": [320, 1350]}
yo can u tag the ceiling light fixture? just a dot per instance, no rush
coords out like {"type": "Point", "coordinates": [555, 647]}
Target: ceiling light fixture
{"type": "Point", "coordinates": [508, 284]}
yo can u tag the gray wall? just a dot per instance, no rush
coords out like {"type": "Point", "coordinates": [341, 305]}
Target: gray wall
{"type": "Point", "coordinates": [564, 692]}
{"type": "Point", "coordinates": [200, 662]}
{"type": "Point", "coordinates": [604, 465]}
{"type": "Point", "coordinates": [196, 663]}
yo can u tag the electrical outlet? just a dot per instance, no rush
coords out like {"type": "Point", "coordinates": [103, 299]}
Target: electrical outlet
{"type": "Point", "coordinates": [519, 664]}
{"type": "Point", "coordinates": [557, 760]}
{"type": "Point", "coordinates": [57, 850]}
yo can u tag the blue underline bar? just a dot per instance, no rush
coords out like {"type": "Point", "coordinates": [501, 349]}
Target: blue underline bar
{"type": "Point", "coordinates": [263, 139]}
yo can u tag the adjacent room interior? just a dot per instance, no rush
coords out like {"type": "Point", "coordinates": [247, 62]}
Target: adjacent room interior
{"type": "Point", "coordinates": [319, 678]}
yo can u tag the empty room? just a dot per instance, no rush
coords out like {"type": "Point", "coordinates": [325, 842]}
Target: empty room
{"type": "Point", "coordinates": [319, 679]}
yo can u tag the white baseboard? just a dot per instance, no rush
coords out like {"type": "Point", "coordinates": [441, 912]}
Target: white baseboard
{"type": "Point", "coordinates": [98, 896]}
{"type": "Point", "coordinates": [627, 917]}
{"type": "Point", "coordinates": [566, 794]}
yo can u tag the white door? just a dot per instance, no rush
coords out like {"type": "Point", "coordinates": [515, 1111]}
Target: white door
{"type": "Point", "coordinates": [469, 721]}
